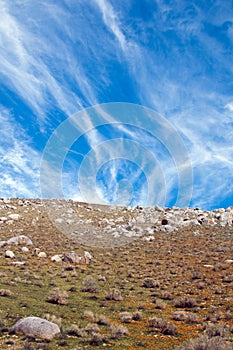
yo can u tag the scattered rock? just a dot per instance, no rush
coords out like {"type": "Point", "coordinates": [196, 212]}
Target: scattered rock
{"type": "Point", "coordinates": [87, 255]}
{"type": "Point", "coordinates": [19, 263]}
{"type": "Point", "coordinates": [36, 327]}
{"type": "Point", "coordinates": [14, 217]}
{"type": "Point", "coordinates": [9, 254]}
{"type": "Point", "coordinates": [57, 258]}
{"type": "Point", "coordinates": [36, 251]}
{"type": "Point", "coordinates": [20, 240]}
{"type": "Point", "coordinates": [42, 255]}
{"type": "Point", "coordinates": [25, 249]}
{"type": "Point", "coordinates": [72, 258]}
{"type": "Point", "coordinates": [164, 221]}
{"type": "Point", "coordinates": [3, 244]}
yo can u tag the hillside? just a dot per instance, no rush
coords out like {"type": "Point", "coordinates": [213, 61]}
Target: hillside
{"type": "Point", "coordinates": [116, 277]}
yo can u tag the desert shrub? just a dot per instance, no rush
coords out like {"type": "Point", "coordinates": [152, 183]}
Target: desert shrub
{"type": "Point", "coordinates": [57, 296]}
{"type": "Point", "coordinates": [150, 283]}
{"type": "Point", "coordinates": [75, 331]}
{"type": "Point", "coordinates": [3, 327]}
{"type": "Point", "coordinates": [159, 304]}
{"type": "Point", "coordinates": [185, 302]}
{"type": "Point", "coordinates": [166, 295]}
{"type": "Point", "coordinates": [137, 316]}
{"type": "Point", "coordinates": [117, 331]}
{"type": "Point", "coordinates": [126, 317]}
{"type": "Point", "coordinates": [97, 339]}
{"type": "Point", "coordinates": [102, 320]}
{"type": "Point", "coordinates": [92, 328]}
{"type": "Point", "coordinates": [156, 322]}
{"type": "Point", "coordinates": [5, 293]}
{"type": "Point", "coordinates": [217, 330]}
{"type": "Point", "coordinates": [196, 275]}
{"type": "Point", "coordinates": [114, 294]}
{"type": "Point", "coordinates": [89, 314]}
{"type": "Point", "coordinates": [187, 317]}
{"type": "Point", "coordinates": [53, 318]}
{"type": "Point", "coordinates": [90, 285]}
{"type": "Point", "coordinates": [163, 325]}
{"type": "Point", "coordinates": [205, 343]}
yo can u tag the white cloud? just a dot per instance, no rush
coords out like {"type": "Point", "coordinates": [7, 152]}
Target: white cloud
{"type": "Point", "coordinates": [19, 165]}
{"type": "Point", "coordinates": [27, 61]}
{"type": "Point", "coordinates": [229, 106]}
{"type": "Point", "coordinates": [112, 22]}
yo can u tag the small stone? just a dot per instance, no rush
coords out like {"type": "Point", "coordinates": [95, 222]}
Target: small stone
{"type": "Point", "coordinates": [14, 217]}
{"type": "Point", "coordinates": [19, 263]}
{"type": "Point", "coordinates": [57, 258]}
{"type": "Point", "coordinates": [164, 221]}
{"type": "Point", "coordinates": [25, 250]}
{"type": "Point", "coordinates": [87, 255]}
{"type": "Point", "coordinates": [36, 251]}
{"type": "Point", "coordinates": [9, 254]}
{"type": "Point", "coordinates": [3, 244]}
{"type": "Point", "coordinates": [42, 255]}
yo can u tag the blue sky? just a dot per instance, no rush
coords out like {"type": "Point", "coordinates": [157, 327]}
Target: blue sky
{"type": "Point", "coordinates": [58, 58]}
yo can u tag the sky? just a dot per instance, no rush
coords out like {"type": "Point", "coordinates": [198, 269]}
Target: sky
{"type": "Point", "coordinates": [122, 102]}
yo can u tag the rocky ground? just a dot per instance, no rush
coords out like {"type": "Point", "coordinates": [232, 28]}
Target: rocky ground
{"type": "Point", "coordinates": [75, 276]}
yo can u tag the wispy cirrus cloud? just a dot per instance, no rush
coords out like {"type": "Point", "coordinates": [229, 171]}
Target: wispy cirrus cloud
{"type": "Point", "coordinates": [60, 56]}
{"type": "Point", "coordinates": [19, 165]}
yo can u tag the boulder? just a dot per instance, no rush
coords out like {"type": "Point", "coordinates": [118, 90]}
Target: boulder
{"type": "Point", "coordinates": [20, 240]}
{"type": "Point", "coordinates": [36, 327]}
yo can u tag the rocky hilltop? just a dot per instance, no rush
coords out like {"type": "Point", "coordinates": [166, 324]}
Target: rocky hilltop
{"type": "Point", "coordinates": [79, 275]}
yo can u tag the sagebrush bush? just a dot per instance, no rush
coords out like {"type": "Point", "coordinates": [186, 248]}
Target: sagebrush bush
{"type": "Point", "coordinates": [102, 320]}
{"type": "Point", "coordinates": [75, 331]}
{"type": "Point", "coordinates": [187, 317]}
{"type": "Point", "coordinates": [54, 319]}
{"type": "Point", "coordinates": [163, 325]}
{"type": "Point", "coordinates": [205, 343]}
{"type": "Point", "coordinates": [185, 302]}
{"type": "Point", "coordinates": [159, 304]}
{"type": "Point", "coordinates": [5, 293]}
{"type": "Point", "coordinates": [150, 283]}
{"type": "Point", "coordinates": [90, 285]}
{"type": "Point", "coordinates": [114, 294]}
{"type": "Point", "coordinates": [89, 314]}
{"type": "Point", "coordinates": [92, 328]}
{"type": "Point", "coordinates": [137, 316]}
{"type": "Point", "coordinates": [97, 339]}
{"type": "Point", "coordinates": [117, 331]}
{"type": "Point", "coordinates": [57, 296]}
{"type": "Point", "coordinates": [126, 317]}
{"type": "Point", "coordinates": [217, 330]}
